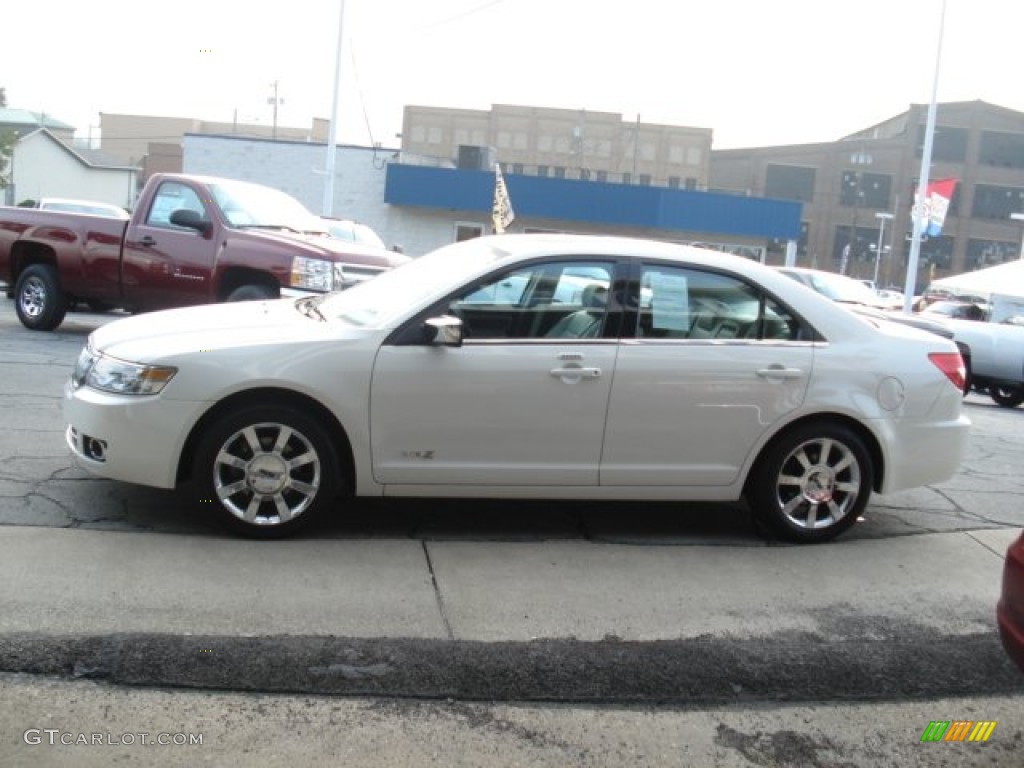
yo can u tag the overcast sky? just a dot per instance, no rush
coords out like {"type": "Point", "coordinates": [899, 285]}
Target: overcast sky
{"type": "Point", "coordinates": [756, 72]}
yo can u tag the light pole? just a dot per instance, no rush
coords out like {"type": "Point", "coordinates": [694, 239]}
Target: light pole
{"type": "Point", "coordinates": [882, 218]}
{"type": "Point", "coordinates": [1019, 217]}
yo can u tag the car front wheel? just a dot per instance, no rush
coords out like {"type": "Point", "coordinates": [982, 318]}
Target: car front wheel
{"type": "Point", "coordinates": [267, 471]}
{"type": "Point", "coordinates": [812, 483]}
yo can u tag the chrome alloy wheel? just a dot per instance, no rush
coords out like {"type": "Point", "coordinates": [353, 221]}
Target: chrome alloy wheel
{"type": "Point", "coordinates": [32, 297]}
{"type": "Point", "coordinates": [818, 483]}
{"type": "Point", "coordinates": [267, 474]}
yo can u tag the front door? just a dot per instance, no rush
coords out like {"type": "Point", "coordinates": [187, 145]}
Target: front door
{"type": "Point", "coordinates": [521, 403]}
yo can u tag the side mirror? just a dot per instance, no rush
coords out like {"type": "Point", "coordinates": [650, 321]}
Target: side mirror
{"type": "Point", "coordinates": [186, 217]}
{"type": "Point", "coordinates": [447, 331]}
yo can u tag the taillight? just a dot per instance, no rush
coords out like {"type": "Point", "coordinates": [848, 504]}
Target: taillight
{"type": "Point", "coordinates": [951, 364]}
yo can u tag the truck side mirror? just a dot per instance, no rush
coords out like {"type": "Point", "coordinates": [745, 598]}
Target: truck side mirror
{"type": "Point", "coordinates": [186, 217]}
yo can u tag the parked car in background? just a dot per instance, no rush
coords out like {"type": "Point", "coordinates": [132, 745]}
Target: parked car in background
{"type": "Point", "coordinates": [1010, 609]}
{"type": "Point", "coordinates": [354, 232]}
{"type": "Point", "coordinates": [665, 372]}
{"type": "Point", "coordinates": [190, 240]}
{"type": "Point", "coordinates": [957, 310]}
{"type": "Point", "coordinates": [89, 207]}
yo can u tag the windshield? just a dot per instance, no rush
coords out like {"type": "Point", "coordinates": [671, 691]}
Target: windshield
{"type": "Point", "coordinates": [843, 289]}
{"type": "Point", "coordinates": [252, 205]}
{"type": "Point", "coordinates": [378, 301]}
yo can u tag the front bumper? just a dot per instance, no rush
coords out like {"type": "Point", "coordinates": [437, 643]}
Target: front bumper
{"type": "Point", "coordinates": [1010, 610]}
{"type": "Point", "coordinates": [137, 439]}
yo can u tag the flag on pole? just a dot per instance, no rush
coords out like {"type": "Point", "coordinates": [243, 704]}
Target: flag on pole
{"type": "Point", "coordinates": [501, 213]}
{"type": "Point", "coordinates": [935, 205]}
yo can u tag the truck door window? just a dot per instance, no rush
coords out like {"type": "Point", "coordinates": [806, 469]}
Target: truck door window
{"type": "Point", "coordinates": [170, 197]}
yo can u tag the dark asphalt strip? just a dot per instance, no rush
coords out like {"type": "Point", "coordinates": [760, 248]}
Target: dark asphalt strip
{"type": "Point", "coordinates": [784, 667]}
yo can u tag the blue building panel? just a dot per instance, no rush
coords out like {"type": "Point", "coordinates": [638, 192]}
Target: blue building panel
{"type": "Point", "coordinates": [595, 202]}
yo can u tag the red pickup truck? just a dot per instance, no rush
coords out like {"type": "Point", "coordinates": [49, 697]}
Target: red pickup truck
{"type": "Point", "coordinates": [190, 240]}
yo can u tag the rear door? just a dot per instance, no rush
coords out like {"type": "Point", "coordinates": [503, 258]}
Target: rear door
{"type": "Point", "coordinates": [707, 364]}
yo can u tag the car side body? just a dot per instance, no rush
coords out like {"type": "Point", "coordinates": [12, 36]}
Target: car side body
{"type": "Point", "coordinates": [702, 376]}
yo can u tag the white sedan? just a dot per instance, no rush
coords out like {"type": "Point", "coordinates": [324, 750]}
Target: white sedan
{"type": "Point", "coordinates": [525, 366]}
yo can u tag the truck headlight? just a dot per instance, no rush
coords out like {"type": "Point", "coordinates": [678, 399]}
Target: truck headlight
{"type": "Point", "coordinates": [119, 377]}
{"type": "Point", "coordinates": [312, 274]}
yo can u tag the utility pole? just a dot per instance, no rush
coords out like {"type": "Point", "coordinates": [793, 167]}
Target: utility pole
{"type": "Point", "coordinates": [275, 101]}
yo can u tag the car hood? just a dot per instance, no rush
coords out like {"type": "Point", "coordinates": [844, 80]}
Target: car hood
{"type": "Point", "coordinates": [158, 336]}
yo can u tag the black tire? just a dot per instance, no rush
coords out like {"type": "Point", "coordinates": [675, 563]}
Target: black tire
{"type": "Point", "coordinates": [244, 476]}
{"type": "Point", "coordinates": [38, 299]}
{"type": "Point", "coordinates": [1007, 396]}
{"type": "Point", "coordinates": [811, 483]}
{"type": "Point", "coordinates": [253, 292]}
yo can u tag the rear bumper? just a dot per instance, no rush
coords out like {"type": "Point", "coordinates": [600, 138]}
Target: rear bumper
{"type": "Point", "coordinates": [925, 453]}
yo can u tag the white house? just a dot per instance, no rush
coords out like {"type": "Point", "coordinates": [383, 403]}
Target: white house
{"type": "Point", "coordinates": [44, 166]}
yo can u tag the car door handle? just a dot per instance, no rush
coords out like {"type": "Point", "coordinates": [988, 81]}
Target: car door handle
{"type": "Point", "coordinates": [583, 373]}
{"type": "Point", "coordinates": [147, 241]}
{"type": "Point", "coordinates": [780, 372]}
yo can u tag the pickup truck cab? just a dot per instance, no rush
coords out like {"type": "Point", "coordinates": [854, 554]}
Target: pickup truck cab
{"type": "Point", "coordinates": [190, 240]}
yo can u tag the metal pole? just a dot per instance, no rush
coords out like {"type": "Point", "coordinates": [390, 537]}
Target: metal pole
{"type": "Point", "coordinates": [881, 239]}
{"type": "Point", "coordinates": [328, 204]}
{"type": "Point", "coordinates": [1019, 217]}
{"type": "Point", "coordinates": [922, 187]}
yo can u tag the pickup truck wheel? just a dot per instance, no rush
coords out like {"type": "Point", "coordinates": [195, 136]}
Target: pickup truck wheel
{"type": "Point", "coordinates": [253, 292]}
{"type": "Point", "coordinates": [266, 470]}
{"type": "Point", "coordinates": [1008, 397]}
{"type": "Point", "coordinates": [38, 300]}
{"type": "Point", "coordinates": [812, 483]}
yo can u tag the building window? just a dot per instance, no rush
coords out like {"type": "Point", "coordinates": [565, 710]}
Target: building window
{"type": "Point", "coordinates": [691, 182]}
{"type": "Point", "coordinates": [676, 155]}
{"type": "Point", "coordinates": [948, 143]}
{"type": "Point", "coordinates": [419, 134]}
{"type": "Point", "coordinates": [520, 140]}
{"type": "Point", "coordinates": [627, 178]}
{"type": "Point", "coordinates": [545, 143]}
{"type": "Point", "coordinates": [694, 156]}
{"type": "Point", "coordinates": [992, 202]}
{"type": "Point", "coordinates": [789, 182]}
{"type": "Point", "coordinates": [1003, 150]}
{"type": "Point", "coordinates": [467, 231]}
{"type": "Point", "coordinates": [504, 139]}
{"type": "Point", "coordinates": [434, 134]}
{"type": "Point", "coordinates": [986, 253]}
{"type": "Point", "coordinates": [461, 136]}
{"type": "Point", "coordinates": [673, 182]}
{"type": "Point", "coordinates": [542, 170]}
{"type": "Point", "coordinates": [517, 167]}
{"type": "Point", "coordinates": [647, 151]}
{"type": "Point", "coordinates": [562, 144]}
{"type": "Point", "coordinates": [868, 190]}
{"type": "Point", "coordinates": [602, 175]}
{"type": "Point", "coordinates": [645, 179]}
{"type": "Point", "coordinates": [559, 172]}
{"type": "Point", "coordinates": [584, 174]}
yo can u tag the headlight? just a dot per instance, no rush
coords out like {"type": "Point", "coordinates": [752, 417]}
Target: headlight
{"type": "Point", "coordinates": [122, 378]}
{"type": "Point", "coordinates": [312, 274]}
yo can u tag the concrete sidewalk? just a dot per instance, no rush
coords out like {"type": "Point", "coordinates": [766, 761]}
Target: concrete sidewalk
{"type": "Point", "coordinates": [60, 581]}
{"type": "Point", "coordinates": [564, 620]}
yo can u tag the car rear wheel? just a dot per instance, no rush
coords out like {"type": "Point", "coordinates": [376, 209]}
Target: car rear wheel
{"type": "Point", "coordinates": [1006, 396]}
{"type": "Point", "coordinates": [38, 299]}
{"type": "Point", "coordinates": [812, 483]}
{"type": "Point", "coordinates": [267, 471]}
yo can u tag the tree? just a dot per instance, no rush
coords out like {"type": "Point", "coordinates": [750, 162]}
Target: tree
{"type": "Point", "coordinates": [7, 139]}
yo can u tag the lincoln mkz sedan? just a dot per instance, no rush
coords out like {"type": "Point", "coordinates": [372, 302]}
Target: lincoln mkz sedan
{"type": "Point", "coordinates": [528, 367]}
